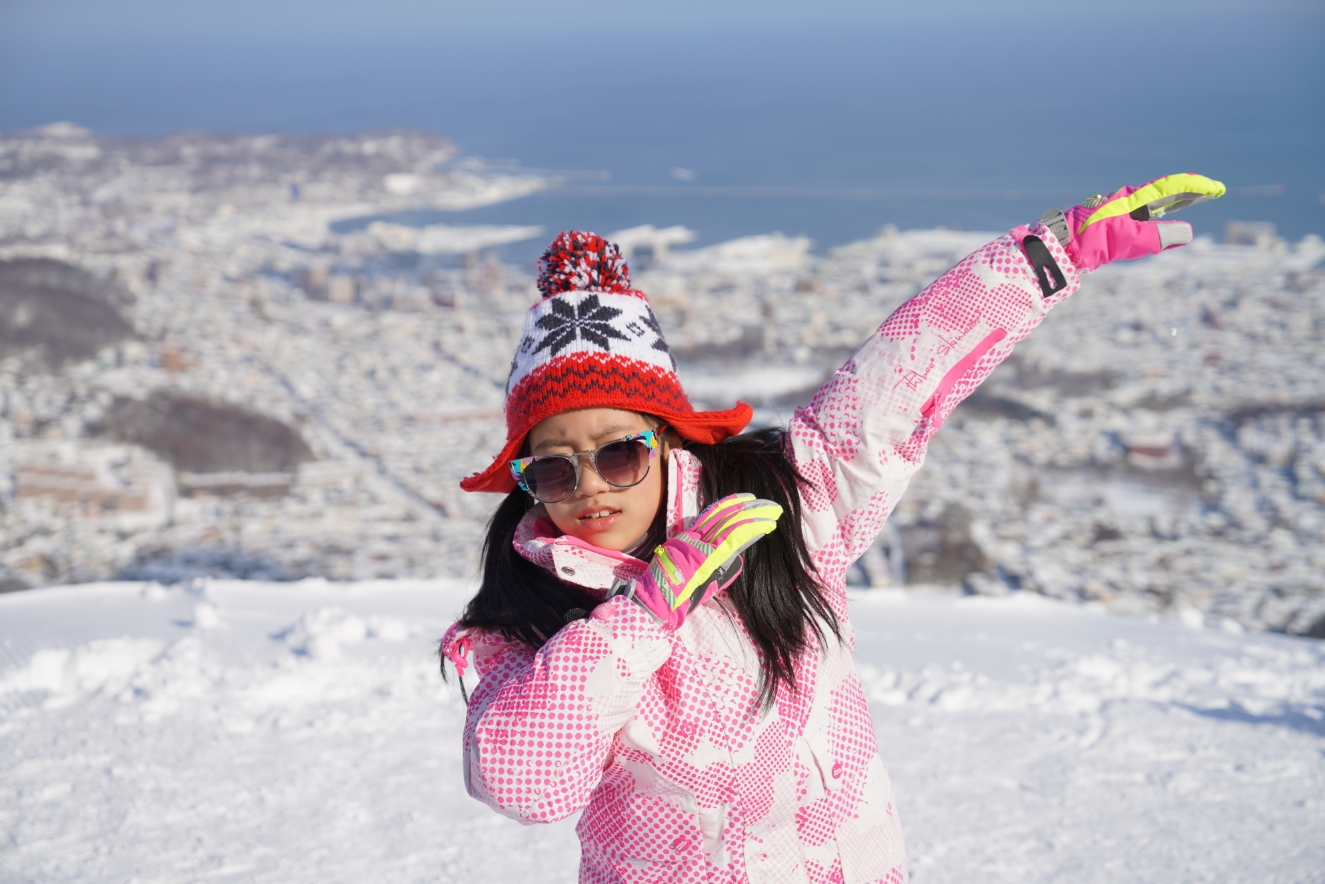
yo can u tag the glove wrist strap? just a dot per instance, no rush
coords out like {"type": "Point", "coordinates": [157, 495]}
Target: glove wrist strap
{"type": "Point", "coordinates": [1044, 266]}
{"type": "Point", "coordinates": [1056, 221]}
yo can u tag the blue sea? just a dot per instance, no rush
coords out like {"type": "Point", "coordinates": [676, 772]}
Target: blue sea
{"type": "Point", "coordinates": [979, 118]}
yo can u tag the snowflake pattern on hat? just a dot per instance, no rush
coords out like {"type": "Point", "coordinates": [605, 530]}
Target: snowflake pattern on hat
{"type": "Point", "coordinates": [589, 320]}
{"type": "Point", "coordinates": [590, 328]}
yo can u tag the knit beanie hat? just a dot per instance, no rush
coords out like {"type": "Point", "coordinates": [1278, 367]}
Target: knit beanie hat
{"type": "Point", "coordinates": [593, 342]}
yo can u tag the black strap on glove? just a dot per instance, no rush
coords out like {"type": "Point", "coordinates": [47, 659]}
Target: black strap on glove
{"type": "Point", "coordinates": [1044, 265]}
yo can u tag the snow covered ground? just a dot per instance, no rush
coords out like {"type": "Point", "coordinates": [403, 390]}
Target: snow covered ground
{"type": "Point", "coordinates": [292, 732]}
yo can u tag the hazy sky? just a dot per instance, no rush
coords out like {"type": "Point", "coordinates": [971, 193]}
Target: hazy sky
{"type": "Point", "coordinates": [927, 93]}
{"type": "Point", "coordinates": [96, 59]}
{"type": "Point", "coordinates": [22, 20]}
{"type": "Point", "coordinates": [174, 13]}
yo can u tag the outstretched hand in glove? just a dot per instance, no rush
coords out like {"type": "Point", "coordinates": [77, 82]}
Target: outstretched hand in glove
{"type": "Point", "coordinates": [1123, 225]}
{"type": "Point", "coordinates": [703, 560]}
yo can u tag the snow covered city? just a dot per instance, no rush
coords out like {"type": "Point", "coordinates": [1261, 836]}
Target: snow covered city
{"type": "Point", "coordinates": [253, 339]}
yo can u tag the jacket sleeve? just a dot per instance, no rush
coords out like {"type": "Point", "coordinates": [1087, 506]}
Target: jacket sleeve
{"type": "Point", "coordinates": [540, 725]}
{"type": "Point", "coordinates": [865, 432]}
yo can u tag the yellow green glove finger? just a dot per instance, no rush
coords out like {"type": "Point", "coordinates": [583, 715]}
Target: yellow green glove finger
{"type": "Point", "coordinates": [1167, 194]}
{"type": "Point", "coordinates": [719, 510]}
{"type": "Point", "coordinates": [737, 540]}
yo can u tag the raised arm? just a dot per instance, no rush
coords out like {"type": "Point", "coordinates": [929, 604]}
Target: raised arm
{"type": "Point", "coordinates": [540, 725]}
{"type": "Point", "coordinates": [865, 432]}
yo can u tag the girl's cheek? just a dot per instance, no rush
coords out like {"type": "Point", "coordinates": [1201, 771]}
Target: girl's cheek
{"type": "Point", "coordinates": [563, 519]}
{"type": "Point", "coordinates": [651, 500]}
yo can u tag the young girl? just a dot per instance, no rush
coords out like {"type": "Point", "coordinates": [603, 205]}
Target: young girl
{"type": "Point", "coordinates": [661, 634]}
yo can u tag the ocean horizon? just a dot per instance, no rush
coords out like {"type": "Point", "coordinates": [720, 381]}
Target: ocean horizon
{"type": "Point", "coordinates": [975, 120]}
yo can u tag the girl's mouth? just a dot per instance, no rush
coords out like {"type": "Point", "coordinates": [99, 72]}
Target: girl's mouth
{"type": "Point", "coordinates": [598, 519]}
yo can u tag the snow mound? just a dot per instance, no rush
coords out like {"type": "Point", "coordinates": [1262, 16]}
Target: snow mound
{"type": "Point", "coordinates": [103, 665]}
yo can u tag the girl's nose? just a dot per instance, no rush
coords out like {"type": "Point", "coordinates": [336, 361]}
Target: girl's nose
{"type": "Point", "coordinates": [590, 482]}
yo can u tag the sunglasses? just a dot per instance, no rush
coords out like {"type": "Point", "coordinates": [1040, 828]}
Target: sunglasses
{"type": "Point", "coordinates": [552, 478]}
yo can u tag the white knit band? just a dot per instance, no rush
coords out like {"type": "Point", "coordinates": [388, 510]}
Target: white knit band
{"type": "Point", "coordinates": [598, 322]}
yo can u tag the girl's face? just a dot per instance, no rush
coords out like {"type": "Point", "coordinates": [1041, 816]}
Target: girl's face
{"type": "Point", "coordinates": [597, 513]}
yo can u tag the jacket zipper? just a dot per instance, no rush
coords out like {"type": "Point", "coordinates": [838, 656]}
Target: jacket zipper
{"type": "Point", "coordinates": [935, 401]}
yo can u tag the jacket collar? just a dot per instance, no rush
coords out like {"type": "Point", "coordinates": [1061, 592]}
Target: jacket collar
{"type": "Point", "coordinates": [575, 561]}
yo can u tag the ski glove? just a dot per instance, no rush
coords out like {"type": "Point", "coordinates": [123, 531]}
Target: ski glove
{"type": "Point", "coordinates": [1122, 225]}
{"type": "Point", "coordinates": [703, 560]}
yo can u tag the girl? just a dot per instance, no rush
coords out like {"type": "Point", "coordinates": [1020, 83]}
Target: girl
{"type": "Point", "coordinates": [661, 633]}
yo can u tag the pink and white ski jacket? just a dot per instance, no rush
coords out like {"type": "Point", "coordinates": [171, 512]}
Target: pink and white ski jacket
{"type": "Point", "coordinates": [657, 735]}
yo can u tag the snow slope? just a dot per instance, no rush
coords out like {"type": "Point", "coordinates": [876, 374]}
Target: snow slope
{"type": "Point", "coordinates": [297, 732]}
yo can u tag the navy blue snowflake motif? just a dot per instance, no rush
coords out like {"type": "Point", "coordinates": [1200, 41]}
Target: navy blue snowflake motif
{"type": "Point", "coordinates": [651, 323]}
{"type": "Point", "coordinates": [590, 321]}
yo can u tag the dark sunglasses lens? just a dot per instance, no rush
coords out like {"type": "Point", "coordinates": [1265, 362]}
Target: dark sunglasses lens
{"type": "Point", "coordinates": [623, 463]}
{"type": "Point", "coordinates": [550, 478]}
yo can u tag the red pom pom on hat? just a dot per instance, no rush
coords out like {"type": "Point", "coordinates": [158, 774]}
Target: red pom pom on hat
{"type": "Point", "coordinates": [582, 262]}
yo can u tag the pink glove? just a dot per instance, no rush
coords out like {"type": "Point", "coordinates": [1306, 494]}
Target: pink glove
{"type": "Point", "coordinates": [703, 560]}
{"type": "Point", "coordinates": [1121, 226]}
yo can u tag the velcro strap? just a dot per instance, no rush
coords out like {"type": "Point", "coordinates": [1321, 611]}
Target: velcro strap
{"type": "Point", "coordinates": [1044, 265]}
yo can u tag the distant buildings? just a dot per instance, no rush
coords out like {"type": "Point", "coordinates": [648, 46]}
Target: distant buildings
{"type": "Point", "coordinates": [284, 400]}
{"type": "Point", "coordinates": [1249, 233]}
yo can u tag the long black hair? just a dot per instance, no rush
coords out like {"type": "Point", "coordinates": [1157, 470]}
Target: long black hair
{"type": "Point", "coordinates": [777, 596]}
